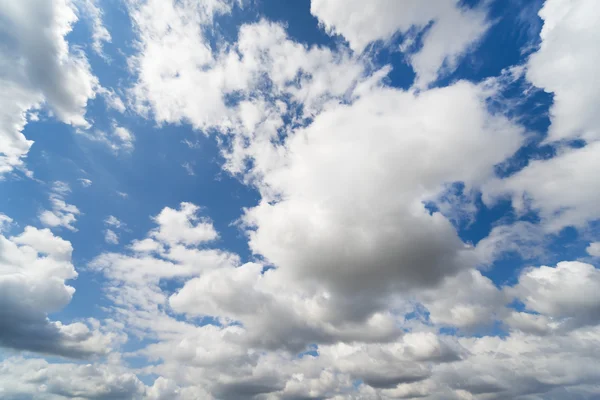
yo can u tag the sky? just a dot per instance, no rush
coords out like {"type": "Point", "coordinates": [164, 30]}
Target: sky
{"type": "Point", "coordinates": [310, 199]}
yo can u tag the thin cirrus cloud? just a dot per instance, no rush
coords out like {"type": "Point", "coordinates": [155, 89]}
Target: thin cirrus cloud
{"type": "Point", "coordinates": [279, 219]}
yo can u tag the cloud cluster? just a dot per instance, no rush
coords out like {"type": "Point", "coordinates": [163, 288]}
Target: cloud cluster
{"type": "Point", "coordinates": [446, 30]}
{"type": "Point", "coordinates": [39, 67]}
{"type": "Point", "coordinates": [34, 268]}
{"type": "Point", "coordinates": [359, 285]}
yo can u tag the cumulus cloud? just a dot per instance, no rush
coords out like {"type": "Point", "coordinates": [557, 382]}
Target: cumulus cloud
{"type": "Point", "coordinates": [594, 249]}
{"type": "Point", "coordinates": [448, 29]}
{"type": "Point", "coordinates": [356, 288]}
{"type": "Point", "coordinates": [563, 189]}
{"type": "Point", "coordinates": [262, 320]}
{"type": "Point", "coordinates": [61, 214]}
{"type": "Point", "coordinates": [37, 378]}
{"type": "Point", "coordinates": [34, 268]}
{"type": "Point", "coordinates": [368, 234]}
{"type": "Point", "coordinates": [563, 65]}
{"type": "Point", "coordinates": [567, 293]}
{"type": "Point", "coordinates": [39, 68]}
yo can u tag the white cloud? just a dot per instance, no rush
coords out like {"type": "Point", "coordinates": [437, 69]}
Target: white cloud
{"type": "Point", "coordinates": [37, 68]}
{"type": "Point", "coordinates": [190, 144]}
{"type": "Point", "coordinates": [523, 238]}
{"type": "Point", "coordinates": [345, 210]}
{"type": "Point", "coordinates": [37, 378]}
{"type": "Point", "coordinates": [183, 226]}
{"type": "Point", "coordinates": [568, 293]}
{"type": "Point", "coordinates": [5, 222]}
{"type": "Point", "coordinates": [34, 268]}
{"type": "Point", "coordinates": [113, 221]}
{"type": "Point", "coordinates": [563, 189]}
{"type": "Point", "coordinates": [361, 276]}
{"type": "Point", "coordinates": [119, 139]}
{"type": "Point", "coordinates": [263, 59]}
{"type": "Point", "coordinates": [594, 249]}
{"type": "Point", "coordinates": [266, 318]}
{"type": "Point", "coordinates": [112, 99]}
{"type": "Point", "coordinates": [61, 214]}
{"type": "Point", "coordinates": [111, 237]}
{"type": "Point", "coordinates": [467, 301]}
{"type": "Point", "coordinates": [454, 29]}
{"type": "Point", "coordinates": [564, 66]}
{"type": "Point", "coordinates": [85, 182]}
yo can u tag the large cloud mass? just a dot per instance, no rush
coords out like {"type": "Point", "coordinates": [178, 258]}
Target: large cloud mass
{"type": "Point", "coordinates": [375, 263]}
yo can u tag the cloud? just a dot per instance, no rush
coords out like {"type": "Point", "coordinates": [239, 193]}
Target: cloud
{"type": "Point", "coordinates": [562, 189]}
{"type": "Point", "coordinates": [62, 214]}
{"type": "Point", "coordinates": [343, 207]}
{"type": "Point", "coordinates": [85, 182]}
{"type": "Point", "coordinates": [37, 378]}
{"type": "Point", "coordinates": [448, 30]}
{"type": "Point", "coordinates": [113, 221]}
{"type": "Point", "coordinates": [39, 68]}
{"type": "Point", "coordinates": [119, 139]}
{"type": "Point", "coordinates": [111, 237]}
{"type": "Point", "coordinates": [564, 66]}
{"type": "Point", "coordinates": [34, 268]}
{"type": "Point", "coordinates": [467, 301]}
{"type": "Point", "coordinates": [100, 34]}
{"type": "Point", "coordinates": [183, 226]}
{"type": "Point", "coordinates": [5, 222]}
{"type": "Point", "coordinates": [188, 169]}
{"type": "Point", "coordinates": [594, 249]}
{"type": "Point", "coordinates": [263, 320]}
{"type": "Point", "coordinates": [567, 293]}
{"type": "Point", "coordinates": [264, 62]}
{"type": "Point", "coordinates": [354, 288]}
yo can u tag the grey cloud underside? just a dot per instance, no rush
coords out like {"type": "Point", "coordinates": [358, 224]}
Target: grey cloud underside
{"type": "Point", "coordinates": [24, 330]}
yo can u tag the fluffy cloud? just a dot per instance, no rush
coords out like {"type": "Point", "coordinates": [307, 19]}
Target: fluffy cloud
{"type": "Point", "coordinates": [111, 237]}
{"type": "Point", "coordinates": [33, 269]}
{"type": "Point", "coordinates": [36, 378]}
{"type": "Point", "coordinates": [38, 67]}
{"type": "Point", "coordinates": [356, 289]}
{"type": "Point", "coordinates": [261, 320]}
{"type": "Point", "coordinates": [194, 81]}
{"type": "Point", "coordinates": [563, 189]}
{"type": "Point", "coordinates": [567, 293]}
{"type": "Point", "coordinates": [448, 29]}
{"type": "Point", "coordinates": [62, 214]}
{"type": "Point", "coordinates": [564, 66]}
{"type": "Point", "coordinates": [594, 249]}
{"type": "Point", "coordinates": [346, 210]}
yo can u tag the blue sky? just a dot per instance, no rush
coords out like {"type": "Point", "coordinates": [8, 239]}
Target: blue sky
{"type": "Point", "coordinates": [299, 200]}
